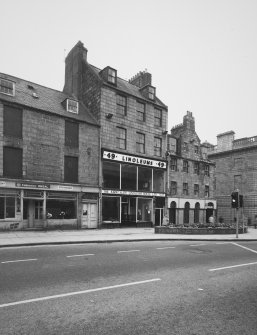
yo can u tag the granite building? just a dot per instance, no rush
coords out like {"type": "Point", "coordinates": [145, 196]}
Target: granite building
{"type": "Point", "coordinates": [236, 169]}
{"type": "Point", "coordinates": [133, 132]}
{"type": "Point", "coordinates": [190, 196]}
{"type": "Point", "coordinates": [49, 142]}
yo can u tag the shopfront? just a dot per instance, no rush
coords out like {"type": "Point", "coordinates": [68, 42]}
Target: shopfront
{"type": "Point", "coordinates": [131, 187]}
{"type": "Point", "coordinates": [32, 205]}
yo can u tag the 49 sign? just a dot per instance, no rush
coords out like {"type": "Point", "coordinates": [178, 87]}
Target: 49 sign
{"type": "Point", "coordinates": [133, 159]}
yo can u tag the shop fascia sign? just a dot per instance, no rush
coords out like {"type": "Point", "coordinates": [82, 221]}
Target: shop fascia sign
{"type": "Point", "coordinates": [29, 185]}
{"type": "Point", "coordinates": [114, 156]}
{"type": "Point", "coordinates": [118, 192]}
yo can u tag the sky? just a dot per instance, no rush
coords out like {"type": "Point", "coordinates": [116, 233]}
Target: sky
{"type": "Point", "coordinates": [202, 54]}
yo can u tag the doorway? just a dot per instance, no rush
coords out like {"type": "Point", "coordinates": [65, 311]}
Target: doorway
{"type": "Point", "coordinates": [33, 213]}
{"type": "Point", "coordinates": [89, 216]}
{"type": "Point", "coordinates": [158, 216]}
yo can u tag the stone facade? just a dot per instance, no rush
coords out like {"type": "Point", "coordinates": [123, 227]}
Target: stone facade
{"type": "Point", "coordinates": [191, 176]}
{"type": "Point", "coordinates": [42, 187]}
{"type": "Point", "coordinates": [236, 168]}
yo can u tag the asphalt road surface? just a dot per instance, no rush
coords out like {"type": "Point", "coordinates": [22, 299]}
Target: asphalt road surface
{"type": "Point", "coordinates": [134, 288]}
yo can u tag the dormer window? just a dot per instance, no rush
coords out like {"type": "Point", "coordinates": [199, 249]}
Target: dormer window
{"type": "Point", "coordinates": [7, 87]}
{"type": "Point", "coordinates": [112, 76]}
{"type": "Point", "coordinates": [72, 106]}
{"type": "Point", "coordinates": [151, 92]}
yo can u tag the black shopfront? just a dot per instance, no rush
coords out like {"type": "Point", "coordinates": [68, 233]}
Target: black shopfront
{"type": "Point", "coordinates": [132, 186]}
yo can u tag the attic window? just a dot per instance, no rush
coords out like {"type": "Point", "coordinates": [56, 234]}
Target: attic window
{"type": "Point", "coordinates": [72, 106]}
{"type": "Point", "coordinates": [111, 76]}
{"type": "Point", "coordinates": [151, 92]}
{"type": "Point", "coordinates": [7, 87]}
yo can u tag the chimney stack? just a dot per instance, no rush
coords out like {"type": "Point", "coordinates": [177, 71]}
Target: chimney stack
{"type": "Point", "coordinates": [189, 121]}
{"type": "Point", "coordinates": [141, 79]}
{"type": "Point", "coordinates": [73, 70]}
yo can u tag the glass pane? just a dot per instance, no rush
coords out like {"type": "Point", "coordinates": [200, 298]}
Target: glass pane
{"type": "Point", "coordinates": [10, 207]}
{"type": "Point", "coordinates": [144, 210]}
{"type": "Point", "coordinates": [144, 179]}
{"type": "Point", "coordinates": [111, 209]}
{"type": "Point", "coordinates": [128, 177]}
{"type": "Point", "coordinates": [2, 200]}
{"type": "Point", "coordinates": [61, 209]}
{"type": "Point", "coordinates": [111, 175]}
{"type": "Point", "coordinates": [158, 181]}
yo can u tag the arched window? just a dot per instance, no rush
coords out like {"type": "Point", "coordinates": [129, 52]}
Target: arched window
{"type": "Point", "coordinates": [173, 207]}
{"type": "Point", "coordinates": [186, 212]}
{"type": "Point", "coordinates": [196, 212]}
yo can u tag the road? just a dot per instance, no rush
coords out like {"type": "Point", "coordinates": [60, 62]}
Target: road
{"type": "Point", "coordinates": [168, 287]}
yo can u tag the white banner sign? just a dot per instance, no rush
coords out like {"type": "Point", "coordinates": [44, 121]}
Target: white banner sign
{"type": "Point", "coordinates": [114, 156]}
{"type": "Point", "coordinates": [147, 194]}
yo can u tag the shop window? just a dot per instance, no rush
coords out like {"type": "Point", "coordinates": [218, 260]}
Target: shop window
{"type": "Point", "coordinates": [12, 121]}
{"type": "Point", "coordinates": [197, 213]}
{"type": "Point", "coordinates": [157, 146]}
{"type": "Point", "coordinates": [70, 169]}
{"type": "Point", "coordinates": [128, 177]}
{"type": "Point", "coordinates": [144, 210]}
{"type": "Point", "coordinates": [60, 209]}
{"type": "Point", "coordinates": [140, 111]}
{"type": "Point", "coordinates": [157, 117]}
{"type": "Point", "coordinates": [158, 181]}
{"type": "Point", "coordinates": [111, 175]}
{"type": "Point", "coordinates": [7, 207]}
{"type": "Point", "coordinates": [144, 179]}
{"type": "Point", "coordinates": [111, 209]}
{"type": "Point", "coordinates": [121, 138]}
{"type": "Point", "coordinates": [12, 162]}
{"type": "Point", "coordinates": [71, 134]}
{"type": "Point", "coordinates": [140, 143]}
{"type": "Point", "coordinates": [121, 105]}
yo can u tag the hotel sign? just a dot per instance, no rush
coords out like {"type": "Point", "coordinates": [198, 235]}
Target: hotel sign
{"type": "Point", "coordinates": [147, 194]}
{"type": "Point", "coordinates": [114, 156]}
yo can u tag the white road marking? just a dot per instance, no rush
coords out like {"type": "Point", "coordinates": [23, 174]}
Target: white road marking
{"type": "Point", "coordinates": [166, 248]}
{"type": "Point", "coordinates": [196, 245]}
{"type": "Point", "coordinates": [200, 289]}
{"type": "Point", "coordinates": [119, 251]}
{"type": "Point", "coordinates": [80, 255]}
{"type": "Point", "coordinates": [20, 260]}
{"type": "Point", "coordinates": [232, 266]}
{"type": "Point", "coordinates": [77, 293]}
{"type": "Point", "coordinates": [241, 246]}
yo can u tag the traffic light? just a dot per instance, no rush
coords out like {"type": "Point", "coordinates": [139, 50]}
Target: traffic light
{"type": "Point", "coordinates": [235, 200]}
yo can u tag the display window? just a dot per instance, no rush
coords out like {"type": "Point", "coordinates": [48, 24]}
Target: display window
{"type": "Point", "coordinates": [111, 209]}
{"type": "Point", "coordinates": [111, 175]}
{"type": "Point", "coordinates": [144, 209]}
{"type": "Point", "coordinates": [128, 177]}
{"type": "Point", "coordinates": [144, 179]}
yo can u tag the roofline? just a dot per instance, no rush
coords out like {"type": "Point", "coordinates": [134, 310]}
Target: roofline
{"type": "Point", "coordinates": [223, 153]}
{"type": "Point", "coordinates": [48, 112]}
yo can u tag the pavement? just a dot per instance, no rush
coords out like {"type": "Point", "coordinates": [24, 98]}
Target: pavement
{"type": "Point", "coordinates": [30, 238]}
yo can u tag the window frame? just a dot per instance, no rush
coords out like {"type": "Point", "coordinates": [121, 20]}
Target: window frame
{"type": "Point", "coordinates": [173, 187]}
{"type": "Point", "coordinates": [185, 166]}
{"type": "Point", "coordinates": [157, 118]}
{"type": "Point", "coordinates": [207, 170]}
{"type": "Point", "coordinates": [69, 102]}
{"type": "Point", "coordinates": [207, 191]}
{"type": "Point", "coordinates": [4, 89]}
{"type": "Point", "coordinates": [140, 114]}
{"type": "Point", "coordinates": [120, 106]}
{"type": "Point", "coordinates": [173, 167]}
{"type": "Point", "coordinates": [185, 189]}
{"type": "Point", "coordinates": [120, 139]}
{"type": "Point", "coordinates": [66, 174]}
{"type": "Point", "coordinates": [151, 92]}
{"type": "Point", "coordinates": [9, 130]}
{"type": "Point", "coordinates": [73, 143]}
{"type": "Point", "coordinates": [157, 148]}
{"type": "Point", "coordinates": [196, 168]}
{"type": "Point", "coordinates": [139, 143]}
{"type": "Point", "coordinates": [5, 206]}
{"type": "Point", "coordinates": [196, 190]}
{"type": "Point", "coordinates": [111, 76]}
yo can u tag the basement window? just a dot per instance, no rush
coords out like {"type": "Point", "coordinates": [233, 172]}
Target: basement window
{"type": "Point", "coordinates": [72, 106]}
{"type": "Point", "coordinates": [7, 87]}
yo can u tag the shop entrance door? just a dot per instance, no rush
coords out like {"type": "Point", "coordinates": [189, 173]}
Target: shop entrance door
{"type": "Point", "coordinates": [89, 216]}
{"type": "Point", "coordinates": [158, 216]}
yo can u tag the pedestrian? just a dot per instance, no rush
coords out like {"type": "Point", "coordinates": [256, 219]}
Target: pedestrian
{"type": "Point", "coordinates": [211, 220]}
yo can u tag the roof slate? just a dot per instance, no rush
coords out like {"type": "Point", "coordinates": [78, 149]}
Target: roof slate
{"type": "Point", "coordinates": [48, 100]}
{"type": "Point", "coordinates": [126, 87]}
